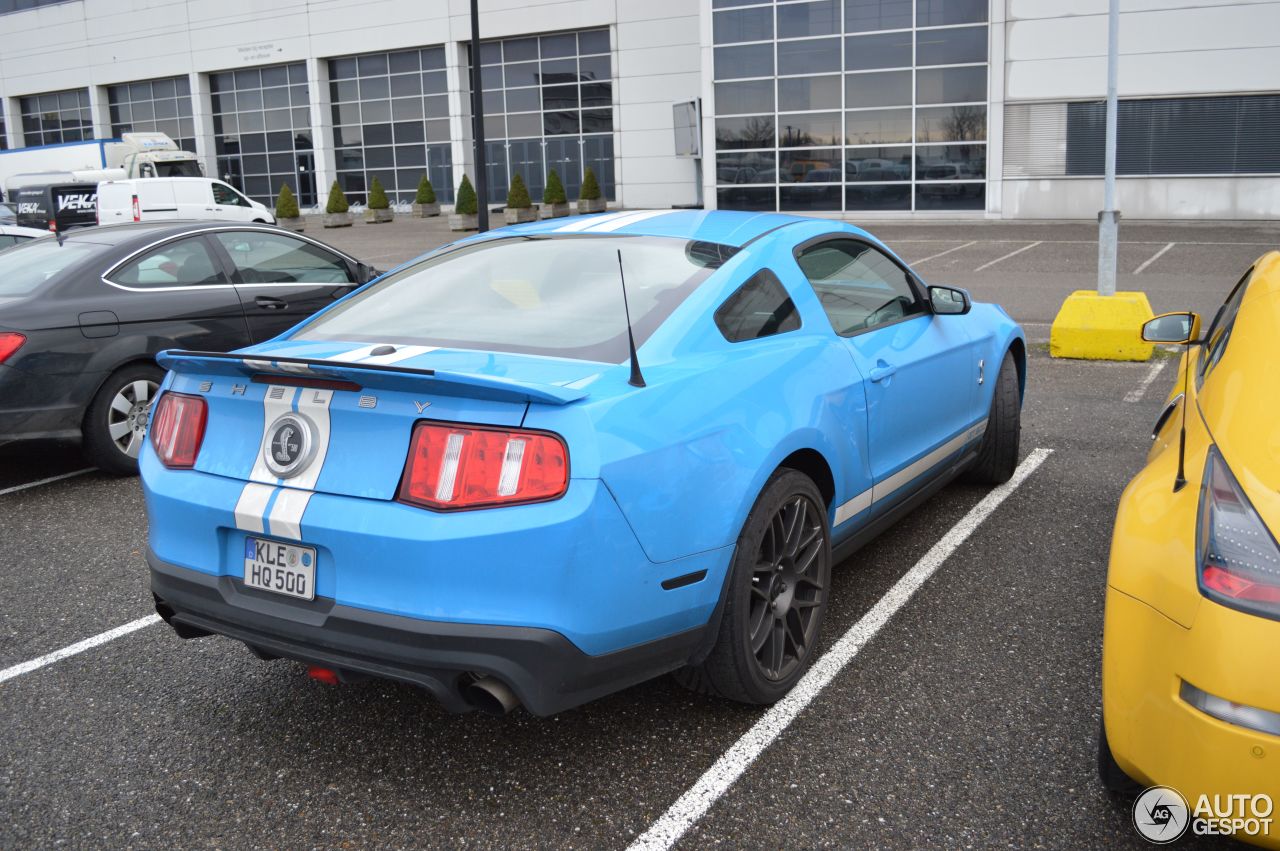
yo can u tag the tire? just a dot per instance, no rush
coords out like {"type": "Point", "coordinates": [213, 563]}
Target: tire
{"type": "Point", "coordinates": [1109, 771]}
{"type": "Point", "coordinates": [116, 420]}
{"type": "Point", "coordinates": [786, 545]}
{"type": "Point", "coordinates": [998, 455]}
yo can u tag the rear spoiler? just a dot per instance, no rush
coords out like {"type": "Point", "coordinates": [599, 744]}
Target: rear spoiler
{"type": "Point", "coordinates": [374, 376]}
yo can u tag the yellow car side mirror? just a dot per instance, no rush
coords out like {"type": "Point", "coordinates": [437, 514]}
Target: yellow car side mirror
{"type": "Point", "coordinates": [1172, 328]}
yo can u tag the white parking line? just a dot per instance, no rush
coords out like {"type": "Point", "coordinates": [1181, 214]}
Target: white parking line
{"type": "Point", "coordinates": [1010, 254]}
{"type": "Point", "coordinates": [695, 802]}
{"type": "Point", "coordinates": [940, 253]}
{"type": "Point", "coordinates": [79, 647]}
{"type": "Point", "coordinates": [1153, 258]}
{"type": "Point", "coordinates": [39, 482]}
{"type": "Point", "coordinates": [1136, 394]}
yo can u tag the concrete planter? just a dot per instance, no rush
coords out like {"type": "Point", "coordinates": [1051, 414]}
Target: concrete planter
{"type": "Point", "coordinates": [555, 211]}
{"type": "Point", "coordinates": [422, 211]}
{"type": "Point", "coordinates": [596, 205]}
{"type": "Point", "coordinates": [519, 215]}
{"type": "Point", "coordinates": [464, 221]}
{"type": "Point", "coordinates": [295, 224]}
{"type": "Point", "coordinates": [377, 217]}
{"type": "Point", "coordinates": [337, 220]}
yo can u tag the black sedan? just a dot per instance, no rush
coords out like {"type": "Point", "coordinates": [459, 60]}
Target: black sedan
{"type": "Point", "coordinates": [82, 318]}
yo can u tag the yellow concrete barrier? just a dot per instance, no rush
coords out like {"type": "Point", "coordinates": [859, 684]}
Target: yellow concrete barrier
{"type": "Point", "coordinates": [1100, 327]}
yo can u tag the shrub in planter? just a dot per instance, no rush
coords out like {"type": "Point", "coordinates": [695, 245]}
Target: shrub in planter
{"type": "Point", "coordinates": [425, 203]}
{"type": "Point", "coordinates": [336, 211]}
{"type": "Point", "coordinates": [287, 213]}
{"type": "Point", "coordinates": [554, 202]}
{"type": "Point", "coordinates": [519, 206]}
{"type": "Point", "coordinates": [465, 208]}
{"type": "Point", "coordinates": [379, 209]}
{"type": "Point", "coordinates": [589, 198]}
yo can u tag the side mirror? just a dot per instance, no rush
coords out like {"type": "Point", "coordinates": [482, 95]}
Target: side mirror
{"type": "Point", "coordinates": [949, 301]}
{"type": "Point", "coordinates": [1178, 328]}
{"type": "Point", "coordinates": [365, 273]}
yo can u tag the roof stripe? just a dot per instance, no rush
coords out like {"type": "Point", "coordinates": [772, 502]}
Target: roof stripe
{"type": "Point", "coordinates": [627, 220]}
{"type": "Point", "coordinates": [585, 222]}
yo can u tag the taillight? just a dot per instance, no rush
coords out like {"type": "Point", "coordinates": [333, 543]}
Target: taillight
{"type": "Point", "coordinates": [10, 343]}
{"type": "Point", "coordinates": [137, 211]}
{"type": "Point", "coordinates": [177, 429]}
{"type": "Point", "coordinates": [1239, 560]}
{"type": "Point", "coordinates": [454, 467]}
{"type": "Point", "coordinates": [53, 225]}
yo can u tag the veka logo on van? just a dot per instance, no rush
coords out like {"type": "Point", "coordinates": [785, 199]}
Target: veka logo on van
{"type": "Point", "coordinates": [79, 202]}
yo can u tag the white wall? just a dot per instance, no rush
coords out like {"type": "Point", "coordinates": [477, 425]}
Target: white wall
{"type": "Point", "coordinates": [1057, 49]}
{"type": "Point", "coordinates": [1206, 198]}
{"type": "Point", "coordinates": [98, 43]}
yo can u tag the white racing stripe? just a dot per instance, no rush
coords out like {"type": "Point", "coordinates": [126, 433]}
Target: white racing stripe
{"type": "Point", "coordinates": [78, 647]}
{"type": "Point", "coordinates": [585, 222]}
{"type": "Point", "coordinates": [627, 221]}
{"type": "Point", "coordinates": [400, 354]}
{"type": "Point", "coordinates": [277, 401]}
{"type": "Point", "coordinates": [697, 800]}
{"type": "Point", "coordinates": [251, 506]}
{"type": "Point", "coordinates": [292, 501]}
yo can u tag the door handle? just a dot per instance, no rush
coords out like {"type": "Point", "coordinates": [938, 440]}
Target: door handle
{"type": "Point", "coordinates": [269, 303]}
{"type": "Point", "coordinates": [882, 370]}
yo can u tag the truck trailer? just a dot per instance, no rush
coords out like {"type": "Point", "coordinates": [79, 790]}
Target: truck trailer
{"type": "Point", "coordinates": [133, 155]}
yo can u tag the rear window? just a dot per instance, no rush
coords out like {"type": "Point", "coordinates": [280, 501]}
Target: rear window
{"type": "Point", "coordinates": [537, 295]}
{"type": "Point", "coordinates": [24, 268]}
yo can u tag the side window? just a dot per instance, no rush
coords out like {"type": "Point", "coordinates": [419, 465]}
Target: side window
{"type": "Point", "coordinates": [186, 262]}
{"type": "Point", "coordinates": [268, 258]}
{"type": "Point", "coordinates": [1219, 333]}
{"type": "Point", "coordinates": [225, 195]}
{"type": "Point", "coordinates": [6, 241]}
{"type": "Point", "coordinates": [858, 285]}
{"type": "Point", "coordinates": [758, 308]}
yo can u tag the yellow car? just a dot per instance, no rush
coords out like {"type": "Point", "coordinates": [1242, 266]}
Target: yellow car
{"type": "Point", "coordinates": [1191, 642]}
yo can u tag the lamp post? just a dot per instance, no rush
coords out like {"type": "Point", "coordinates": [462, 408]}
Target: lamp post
{"type": "Point", "coordinates": [1109, 218]}
{"type": "Point", "coordinates": [477, 122]}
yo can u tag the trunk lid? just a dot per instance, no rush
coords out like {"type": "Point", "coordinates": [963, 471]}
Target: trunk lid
{"type": "Point", "coordinates": [359, 402]}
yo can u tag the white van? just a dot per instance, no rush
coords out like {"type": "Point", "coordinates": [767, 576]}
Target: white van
{"type": "Point", "coordinates": [154, 198]}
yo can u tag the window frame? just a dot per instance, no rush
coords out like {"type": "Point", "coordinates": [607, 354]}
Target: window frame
{"type": "Point", "coordinates": [138, 256]}
{"type": "Point", "coordinates": [917, 287]}
{"type": "Point", "coordinates": [1227, 322]}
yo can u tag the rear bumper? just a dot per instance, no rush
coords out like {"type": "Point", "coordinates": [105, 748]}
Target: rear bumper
{"type": "Point", "coordinates": [30, 409]}
{"type": "Point", "coordinates": [545, 670]}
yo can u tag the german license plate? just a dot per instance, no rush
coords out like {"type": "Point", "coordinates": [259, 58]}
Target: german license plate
{"type": "Point", "coordinates": [280, 568]}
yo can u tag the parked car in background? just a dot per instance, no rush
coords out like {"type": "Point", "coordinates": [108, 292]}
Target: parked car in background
{"type": "Point", "coordinates": [161, 198]}
{"type": "Point", "coordinates": [57, 206]}
{"type": "Point", "coordinates": [8, 213]}
{"type": "Point", "coordinates": [82, 318]}
{"type": "Point", "coordinates": [475, 475]}
{"type": "Point", "coordinates": [1190, 679]}
{"type": "Point", "coordinates": [11, 235]}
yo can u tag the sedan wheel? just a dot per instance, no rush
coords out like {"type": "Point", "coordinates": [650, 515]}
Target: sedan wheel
{"type": "Point", "coordinates": [129, 413]}
{"type": "Point", "coordinates": [115, 425]}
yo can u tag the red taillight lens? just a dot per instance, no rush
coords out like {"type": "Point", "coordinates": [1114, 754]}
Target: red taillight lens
{"type": "Point", "coordinates": [137, 211]}
{"type": "Point", "coordinates": [10, 343]}
{"type": "Point", "coordinates": [454, 466]}
{"type": "Point", "coordinates": [177, 429]}
{"type": "Point", "coordinates": [1239, 559]}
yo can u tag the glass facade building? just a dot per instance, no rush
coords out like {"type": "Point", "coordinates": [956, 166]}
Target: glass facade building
{"type": "Point", "coordinates": [850, 105]}
{"type": "Point", "coordinates": [56, 117]}
{"type": "Point", "coordinates": [262, 131]}
{"type": "Point", "coordinates": [391, 121]}
{"type": "Point", "coordinates": [154, 106]}
{"type": "Point", "coordinates": [548, 104]}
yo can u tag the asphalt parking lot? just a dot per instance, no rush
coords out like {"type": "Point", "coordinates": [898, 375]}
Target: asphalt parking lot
{"type": "Point", "coordinates": [967, 719]}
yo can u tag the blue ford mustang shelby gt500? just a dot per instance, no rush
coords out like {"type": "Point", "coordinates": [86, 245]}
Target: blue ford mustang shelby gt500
{"type": "Point", "coordinates": [465, 476]}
